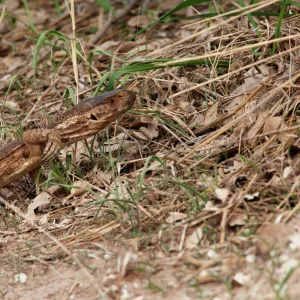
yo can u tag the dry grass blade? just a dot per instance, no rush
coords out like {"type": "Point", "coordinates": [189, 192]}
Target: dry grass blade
{"type": "Point", "coordinates": [232, 123]}
{"type": "Point", "coordinates": [268, 59]}
{"type": "Point", "coordinates": [256, 7]}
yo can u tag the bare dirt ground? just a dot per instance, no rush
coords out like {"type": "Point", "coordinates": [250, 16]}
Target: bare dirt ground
{"type": "Point", "coordinates": [194, 193]}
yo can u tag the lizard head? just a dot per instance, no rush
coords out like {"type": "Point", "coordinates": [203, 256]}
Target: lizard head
{"type": "Point", "coordinates": [109, 106]}
{"type": "Point", "coordinates": [93, 115]}
{"type": "Point", "coordinates": [103, 108]}
{"type": "Point", "coordinates": [113, 103]}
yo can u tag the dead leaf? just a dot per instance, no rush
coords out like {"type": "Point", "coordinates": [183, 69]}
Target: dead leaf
{"type": "Point", "coordinates": [122, 191]}
{"type": "Point", "coordinates": [115, 143]}
{"type": "Point", "coordinates": [42, 199]}
{"type": "Point", "coordinates": [252, 79]}
{"type": "Point", "coordinates": [237, 219]}
{"type": "Point", "coordinates": [79, 187]}
{"type": "Point", "coordinates": [101, 179]}
{"type": "Point", "coordinates": [175, 217]}
{"type": "Point", "coordinates": [287, 171]}
{"type": "Point", "coordinates": [64, 223]}
{"type": "Point", "coordinates": [194, 239]}
{"type": "Point", "coordinates": [139, 135]}
{"type": "Point", "coordinates": [211, 114]}
{"type": "Point", "coordinates": [152, 130]}
{"type": "Point", "coordinates": [260, 121]}
{"type": "Point", "coordinates": [232, 169]}
{"type": "Point", "coordinates": [222, 194]}
{"type": "Point", "coordinates": [198, 120]}
{"type": "Point", "coordinates": [251, 197]}
{"type": "Point", "coordinates": [154, 165]}
{"type": "Point", "coordinates": [272, 124]}
{"type": "Point", "coordinates": [138, 21]}
{"type": "Point", "coordinates": [81, 150]}
{"type": "Point", "coordinates": [241, 278]}
{"type": "Point", "coordinates": [44, 219]}
{"type": "Point", "coordinates": [234, 103]}
{"type": "Point", "coordinates": [12, 63]}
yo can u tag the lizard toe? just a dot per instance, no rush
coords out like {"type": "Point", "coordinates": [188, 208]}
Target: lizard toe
{"type": "Point", "coordinates": [49, 152]}
{"type": "Point", "coordinates": [53, 151]}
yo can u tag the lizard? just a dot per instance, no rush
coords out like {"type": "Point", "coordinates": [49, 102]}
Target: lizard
{"type": "Point", "coordinates": [80, 122]}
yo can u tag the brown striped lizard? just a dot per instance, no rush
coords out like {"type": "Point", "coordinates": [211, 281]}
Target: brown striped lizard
{"type": "Point", "coordinates": [80, 122]}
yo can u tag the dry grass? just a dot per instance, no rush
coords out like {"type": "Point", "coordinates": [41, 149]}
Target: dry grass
{"type": "Point", "coordinates": [195, 192]}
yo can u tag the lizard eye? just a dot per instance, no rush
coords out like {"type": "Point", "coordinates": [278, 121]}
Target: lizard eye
{"type": "Point", "coordinates": [111, 101]}
{"type": "Point", "coordinates": [93, 117]}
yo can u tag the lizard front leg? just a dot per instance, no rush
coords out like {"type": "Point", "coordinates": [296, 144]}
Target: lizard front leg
{"type": "Point", "coordinates": [49, 138]}
{"type": "Point", "coordinates": [53, 146]}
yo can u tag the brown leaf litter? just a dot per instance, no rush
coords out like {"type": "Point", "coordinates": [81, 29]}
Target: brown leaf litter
{"type": "Point", "coordinates": [215, 212]}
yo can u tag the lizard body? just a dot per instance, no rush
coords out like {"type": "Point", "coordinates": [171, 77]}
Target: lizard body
{"type": "Point", "coordinates": [83, 120]}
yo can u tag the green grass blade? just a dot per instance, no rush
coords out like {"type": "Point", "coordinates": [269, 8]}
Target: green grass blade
{"type": "Point", "coordinates": [101, 82]}
{"type": "Point", "coordinates": [28, 12]}
{"type": "Point", "coordinates": [105, 4]}
{"type": "Point", "coordinates": [70, 92]}
{"type": "Point", "coordinates": [247, 161]}
{"type": "Point", "coordinates": [151, 65]}
{"type": "Point", "coordinates": [250, 18]}
{"type": "Point", "coordinates": [43, 37]}
{"type": "Point", "coordinates": [294, 3]}
{"type": "Point", "coordinates": [57, 8]}
{"type": "Point", "coordinates": [278, 27]}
